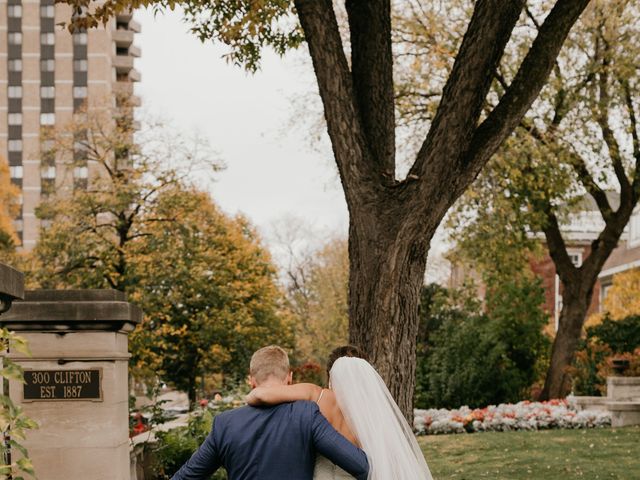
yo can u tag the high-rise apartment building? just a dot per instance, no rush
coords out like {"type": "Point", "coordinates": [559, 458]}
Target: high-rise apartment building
{"type": "Point", "coordinates": [47, 75]}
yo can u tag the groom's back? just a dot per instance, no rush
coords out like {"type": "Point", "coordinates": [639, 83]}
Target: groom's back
{"type": "Point", "coordinates": [267, 443]}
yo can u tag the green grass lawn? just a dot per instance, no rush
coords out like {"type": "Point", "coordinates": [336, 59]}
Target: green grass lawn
{"type": "Point", "coordinates": [607, 453]}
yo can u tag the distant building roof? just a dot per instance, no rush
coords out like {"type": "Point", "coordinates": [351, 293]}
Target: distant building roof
{"type": "Point", "coordinates": [588, 204]}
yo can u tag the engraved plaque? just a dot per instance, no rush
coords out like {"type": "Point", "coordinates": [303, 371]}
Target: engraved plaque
{"type": "Point", "coordinates": [52, 385]}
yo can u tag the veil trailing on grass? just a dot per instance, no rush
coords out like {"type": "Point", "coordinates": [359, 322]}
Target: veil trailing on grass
{"type": "Point", "coordinates": [375, 418]}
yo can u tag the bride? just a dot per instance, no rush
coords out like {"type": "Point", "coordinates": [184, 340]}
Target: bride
{"type": "Point", "coordinates": [358, 405]}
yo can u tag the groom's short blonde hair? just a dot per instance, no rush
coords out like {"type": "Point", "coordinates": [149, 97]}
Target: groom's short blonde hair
{"type": "Point", "coordinates": [271, 361]}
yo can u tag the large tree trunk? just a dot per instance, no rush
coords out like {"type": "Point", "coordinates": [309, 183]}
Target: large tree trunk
{"type": "Point", "coordinates": [574, 311]}
{"type": "Point", "coordinates": [392, 221]}
{"type": "Point", "coordinates": [387, 266]}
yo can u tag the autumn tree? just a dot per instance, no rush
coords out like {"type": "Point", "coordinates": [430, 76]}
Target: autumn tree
{"type": "Point", "coordinates": [579, 140]}
{"type": "Point", "coordinates": [206, 285]}
{"type": "Point", "coordinates": [89, 230]}
{"type": "Point", "coordinates": [622, 300]}
{"type": "Point", "coordinates": [209, 292]}
{"type": "Point", "coordinates": [316, 282]}
{"type": "Point", "coordinates": [392, 220]}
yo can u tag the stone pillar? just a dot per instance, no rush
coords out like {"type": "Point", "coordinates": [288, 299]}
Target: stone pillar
{"type": "Point", "coordinates": [623, 395]}
{"type": "Point", "coordinates": [76, 381]}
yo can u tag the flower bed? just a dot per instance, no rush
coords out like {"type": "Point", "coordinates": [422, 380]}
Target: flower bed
{"type": "Point", "coordinates": [520, 416]}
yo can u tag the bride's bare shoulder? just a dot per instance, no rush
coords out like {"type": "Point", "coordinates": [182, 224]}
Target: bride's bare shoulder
{"type": "Point", "coordinates": [328, 404]}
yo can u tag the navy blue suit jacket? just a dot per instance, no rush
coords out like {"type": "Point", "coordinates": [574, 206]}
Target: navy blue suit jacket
{"type": "Point", "coordinates": [272, 443]}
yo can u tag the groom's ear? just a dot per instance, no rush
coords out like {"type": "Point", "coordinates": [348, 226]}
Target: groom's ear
{"type": "Point", "coordinates": [252, 381]}
{"type": "Point", "coordinates": [290, 378]}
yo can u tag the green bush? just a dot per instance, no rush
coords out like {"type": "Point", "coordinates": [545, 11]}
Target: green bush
{"type": "Point", "coordinates": [174, 447]}
{"type": "Point", "coordinates": [467, 356]}
{"type": "Point", "coordinates": [622, 336]}
{"type": "Point", "coordinates": [604, 342]}
{"type": "Point", "coordinates": [586, 371]}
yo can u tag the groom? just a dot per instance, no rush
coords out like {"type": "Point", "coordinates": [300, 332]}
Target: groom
{"type": "Point", "coordinates": [272, 443]}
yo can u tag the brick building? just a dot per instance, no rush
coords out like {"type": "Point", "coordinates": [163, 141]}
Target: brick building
{"type": "Point", "coordinates": [583, 227]}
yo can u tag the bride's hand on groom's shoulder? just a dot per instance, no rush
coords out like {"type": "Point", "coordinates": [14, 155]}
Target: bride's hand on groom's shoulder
{"type": "Point", "coordinates": [253, 398]}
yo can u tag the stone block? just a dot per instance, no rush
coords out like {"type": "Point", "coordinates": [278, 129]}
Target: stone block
{"type": "Point", "coordinates": [623, 388]}
{"type": "Point", "coordinates": [590, 403]}
{"type": "Point", "coordinates": [624, 414]}
{"type": "Point", "coordinates": [86, 463]}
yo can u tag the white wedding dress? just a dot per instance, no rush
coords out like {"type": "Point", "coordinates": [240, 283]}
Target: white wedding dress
{"type": "Point", "coordinates": [374, 417]}
{"type": "Point", "coordinates": [325, 470]}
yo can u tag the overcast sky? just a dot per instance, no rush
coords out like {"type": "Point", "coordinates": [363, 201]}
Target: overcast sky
{"type": "Point", "coordinates": [273, 173]}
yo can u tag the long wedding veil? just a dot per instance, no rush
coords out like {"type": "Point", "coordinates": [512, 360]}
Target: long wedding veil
{"type": "Point", "coordinates": [375, 418]}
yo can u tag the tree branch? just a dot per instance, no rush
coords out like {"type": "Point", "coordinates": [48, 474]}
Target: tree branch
{"type": "Point", "coordinates": [466, 89]}
{"type": "Point", "coordinates": [602, 117]}
{"type": "Point", "coordinates": [526, 86]}
{"type": "Point", "coordinates": [582, 171]}
{"type": "Point", "coordinates": [319, 24]}
{"type": "Point", "coordinates": [628, 99]}
{"type": "Point", "coordinates": [372, 73]}
{"type": "Point", "coordinates": [579, 167]}
{"type": "Point", "coordinates": [557, 247]}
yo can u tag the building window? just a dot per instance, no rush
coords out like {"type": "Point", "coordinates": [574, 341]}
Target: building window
{"type": "Point", "coordinates": [15, 65]}
{"type": "Point", "coordinates": [576, 259]}
{"type": "Point", "coordinates": [14, 11]}
{"type": "Point", "coordinates": [80, 65]}
{"type": "Point", "coordinates": [15, 145]}
{"type": "Point", "coordinates": [47, 11]}
{"type": "Point", "coordinates": [79, 92]}
{"type": "Point", "coordinates": [15, 171]}
{"type": "Point", "coordinates": [48, 173]}
{"type": "Point", "coordinates": [80, 38]}
{"type": "Point", "coordinates": [15, 119]}
{"type": "Point", "coordinates": [17, 224]}
{"type": "Point", "coordinates": [47, 118]}
{"type": "Point", "coordinates": [81, 172]}
{"type": "Point", "coordinates": [15, 38]}
{"type": "Point", "coordinates": [604, 291]}
{"type": "Point", "coordinates": [15, 91]}
{"type": "Point", "coordinates": [47, 92]}
{"type": "Point", "coordinates": [47, 65]}
{"type": "Point", "coordinates": [47, 38]}
{"type": "Point", "coordinates": [79, 145]}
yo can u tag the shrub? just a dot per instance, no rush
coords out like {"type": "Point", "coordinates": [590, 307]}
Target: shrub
{"type": "Point", "coordinates": [309, 372]}
{"type": "Point", "coordinates": [608, 341]}
{"type": "Point", "coordinates": [586, 370]}
{"type": "Point", "coordinates": [622, 336]}
{"type": "Point", "coordinates": [174, 447]}
{"type": "Point", "coordinates": [473, 358]}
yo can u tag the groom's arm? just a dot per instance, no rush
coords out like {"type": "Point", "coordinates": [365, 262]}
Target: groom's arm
{"type": "Point", "coordinates": [338, 449]}
{"type": "Point", "coordinates": [203, 463]}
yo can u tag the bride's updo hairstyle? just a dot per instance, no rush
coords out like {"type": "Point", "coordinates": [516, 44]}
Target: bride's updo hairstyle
{"type": "Point", "coordinates": [344, 351]}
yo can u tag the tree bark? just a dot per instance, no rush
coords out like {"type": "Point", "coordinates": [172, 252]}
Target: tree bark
{"type": "Point", "coordinates": [574, 311]}
{"type": "Point", "coordinates": [387, 266]}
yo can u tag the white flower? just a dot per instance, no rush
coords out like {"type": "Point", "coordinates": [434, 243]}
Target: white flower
{"type": "Point", "coordinates": [520, 416]}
